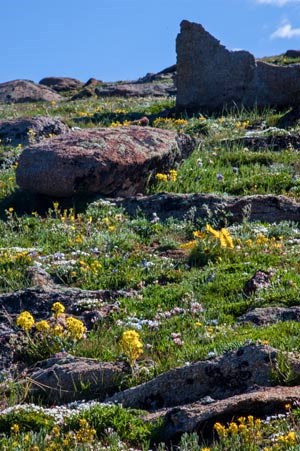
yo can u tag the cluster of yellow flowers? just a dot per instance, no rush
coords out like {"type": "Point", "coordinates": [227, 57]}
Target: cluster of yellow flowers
{"type": "Point", "coordinates": [189, 244]}
{"type": "Point", "coordinates": [120, 124]}
{"type": "Point", "coordinates": [11, 259]}
{"type": "Point", "coordinates": [85, 434]}
{"type": "Point", "coordinates": [57, 308]}
{"type": "Point", "coordinates": [26, 321]}
{"type": "Point", "coordinates": [57, 440]}
{"type": "Point", "coordinates": [75, 328]}
{"type": "Point", "coordinates": [262, 240]}
{"type": "Point", "coordinates": [245, 427]}
{"type": "Point", "coordinates": [171, 176]}
{"type": "Point", "coordinates": [165, 122]}
{"type": "Point", "coordinates": [109, 223]}
{"type": "Point", "coordinates": [93, 267]}
{"type": "Point", "coordinates": [249, 429]}
{"type": "Point", "coordinates": [58, 326]}
{"type": "Point", "coordinates": [223, 235]}
{"type": "Point", "coordinates": [132, 345]}
{"type": "Point", "coordinates": [289, 439]}
{"type": "Point", "coordinates": [242, 124]}
{"type": "Point", "coordinates": [85, 114]}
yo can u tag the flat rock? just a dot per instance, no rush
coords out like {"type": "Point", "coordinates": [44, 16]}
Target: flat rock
{"type": "Point", "coordinates": [29, 129]}
{"type": "Point", "coordinates": [64, 379]}
{"type": "Point", "coordinates": [39, 300]}
{"type": "Point", "coordinates": [264, 208]}
{"type": "Point", "coordinates": [232, 373]}
{"type": "Point", "coordinates": [261, 316]}
{"type": "Point", "coordinates": [136, 90]}
{"type": "Point", "coordinates": [211, 77]}
{"type": "Point", "coordinates": [60, 84]}
{"type": "Point", "coordinates": [201, 418]}
{"type": "Point", "coordinates": [109, 161]}
{"type": "Point", "coordinates": [21, 91]}
{"type": "Point", "coordinates": [270, 139]}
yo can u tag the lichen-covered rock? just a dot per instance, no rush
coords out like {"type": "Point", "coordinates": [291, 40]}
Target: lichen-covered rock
{"type": "Point", "coordinates": [200, 418]}
{"type": "Point", "coordinates": [64, 379]}
{"type": "Point", "coordinates": [264, 208]}
{"type": "Point", "coordinates": [108, 161]}
{"type": "Point", "coordinates": [27, 130]}
{"type": "Point", "coordinates": [230, 374]}
{"type": "Point", "coordinates": [21, 91]}
{"type": "Point", "coordinates": [211, 78]}
{"type": "Point", "coordinates": [60, 84]}
{"type": "Point", "coordinates": [261, 316]}
{"type": "Point", "coordinates": [271, 138]}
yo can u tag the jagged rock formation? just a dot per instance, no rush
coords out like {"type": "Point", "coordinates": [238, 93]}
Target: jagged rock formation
{"type": "Point", "coordinates": [211, 78]}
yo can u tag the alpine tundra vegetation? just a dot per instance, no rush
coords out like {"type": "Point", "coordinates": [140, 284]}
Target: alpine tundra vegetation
{"type": "Point", "coordinates": [165, 320]}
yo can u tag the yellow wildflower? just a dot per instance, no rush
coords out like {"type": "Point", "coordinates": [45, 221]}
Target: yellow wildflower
{"type": "Point", "coordinates": [42, 326]}
{"type": "Point", "coordinates": [56, 431]}
{"type": "Point", "coordinates": [173, 175]}
{"type": "Point", "coordinates": [58, 308]}
{"type": "Point", "coordinates": [188, 245]}
{"type": "Point", "coordinates": [233, 428]}
{"type": "Point", "coordinates": [261, 239]}
{"type": "Point", "coordinates": [221, 430]}
{"type": "Point", "coordinates": [15, 428]}
{"type": "Point", "coordinates": [132, 345]}
{"type": "Point", "coordinates": [198, 234]}
{"type": "Point", "coordinates": [25, 320]}
{"type": "Point", "coordinates": [161, 177]}
{"type": "Point", "coordinates": [75, 327]}
{"type": "Point", "coordinates": [57, 330]}
{"type": "Point", "coordinates": [214, 232]}
{"type": "Point", "coordinates": [226, 239]}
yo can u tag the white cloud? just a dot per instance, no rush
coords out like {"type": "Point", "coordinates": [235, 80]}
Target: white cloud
{"type": "Point", "coordinates": [276, 2]}
{"type": "Point", "coordinates": [286, 31]}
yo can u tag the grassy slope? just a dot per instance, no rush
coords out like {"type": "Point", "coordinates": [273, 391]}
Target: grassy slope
{"type": "Point", "coordinates": [198, 296]}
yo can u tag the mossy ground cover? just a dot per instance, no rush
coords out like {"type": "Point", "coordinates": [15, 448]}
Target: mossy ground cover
{"type": "Point", "coordinates": [185, 306]}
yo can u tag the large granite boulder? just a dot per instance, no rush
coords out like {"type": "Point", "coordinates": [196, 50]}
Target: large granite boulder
{"type": "Point", "coordinates": [109, 161]}
{"type": "Point", "coordinates": [29, 129]}
{"type": "Point", "coordinates": [60, 84]}
{"type": "Point", "coordinates": [21, 91]}
{"type": "Point", "coordinates": [211, 78]}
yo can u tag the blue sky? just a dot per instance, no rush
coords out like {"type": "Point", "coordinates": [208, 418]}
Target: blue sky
{"type": "Point", "coordinates": [124, 39]}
